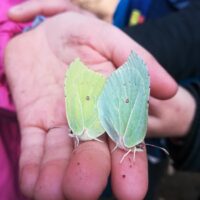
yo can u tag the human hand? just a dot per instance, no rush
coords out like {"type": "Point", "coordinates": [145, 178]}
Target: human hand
{"type": "Point", "coordinates": [172, 117]}
{"type": "Point", "coordinates": [29, 9]}
{"type": "Point", "coordinates": [49, 167]}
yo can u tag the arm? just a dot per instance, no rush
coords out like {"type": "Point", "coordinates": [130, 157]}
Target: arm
{"type": "Point", "coordinates": [186, 150]}
{"type": "Point", "coordinates": [178, 120]}
{"type": "Point", "coordinates": [174, 40]}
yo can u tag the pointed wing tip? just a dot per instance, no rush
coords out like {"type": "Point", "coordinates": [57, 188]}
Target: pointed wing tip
{"type": "Point", "coordinates": [137, 62]}
{"type": "Point", "coordinates": [75, 62]}
{"type": "Point", "coordinates": [134, 56]}
{"type": "Point", "coordinates": [75, 65]}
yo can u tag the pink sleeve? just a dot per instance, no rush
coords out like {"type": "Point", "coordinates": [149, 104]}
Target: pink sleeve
{"type": "Point", "coordinates": [8, 29]}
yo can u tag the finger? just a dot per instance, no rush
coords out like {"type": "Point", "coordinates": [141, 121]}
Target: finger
{"type": "Point", "coordinates": [32, 144]}
{"type": "Point", "coordinates": [57, 150]}
{"type": "Point", "coordinates": [163, 86]}
{"type": "Point", "coordinates": [116, 47]}
{"type": "Point", "coordinates": [25, 11]}
{"type": "Point", "coordinates": [88, 171]}
{"type": "Point", "coordinates": [154, 107]}
{"type": "Point", "coordinates": [155, 122]}
{"type": "Point", "coordinates": [106, 71]}
{"type": "Point", "coordinates": [30, 9]}
{"type": "Point", "coordinates": [129, 178]}
{"type": "Point", "coordinates": [154, 127]}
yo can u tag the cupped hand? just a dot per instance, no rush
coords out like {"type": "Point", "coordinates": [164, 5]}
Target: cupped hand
{"type": "Point", "coordinates": [36, 62]}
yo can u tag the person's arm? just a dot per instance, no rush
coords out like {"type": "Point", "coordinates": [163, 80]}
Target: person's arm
{"type": "Point", "coordinates": [174, 40]}
{"type": "Point", "coordinates": [178, 119]}
{"type": "Point", "coordinates": [186, 151]}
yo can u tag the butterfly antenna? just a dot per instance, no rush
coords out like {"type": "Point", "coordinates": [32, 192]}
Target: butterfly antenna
{"type": "Point", "coordinates": [161, 148]}
{"type": "Point", "coordinates": [96, 139]}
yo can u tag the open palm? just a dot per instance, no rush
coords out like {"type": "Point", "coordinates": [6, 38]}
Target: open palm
{"type": "Point", "coordinates": [35, 66]}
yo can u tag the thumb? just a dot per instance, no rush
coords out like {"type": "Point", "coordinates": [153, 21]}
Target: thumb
{"type": "Point", "coordinates": [163, 86]}
{"type": "Point", "coordinates": [29, 9]}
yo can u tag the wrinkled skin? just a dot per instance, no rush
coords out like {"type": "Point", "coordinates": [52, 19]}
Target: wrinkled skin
{"type": "Point", "coordinates": [35, 66]}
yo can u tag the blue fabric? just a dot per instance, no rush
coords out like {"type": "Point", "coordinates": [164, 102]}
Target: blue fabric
{"type": "Point", "coordinates": [124, 9]}
{"type": "Point", "coordinates": [121, 15]}
{"type": "Point", "coordinates": [142, 5]}
{"type": "Point", "coordinates": [38, 20]}
{"type": "Point", "coordinates": [150, 9]}
{"type": "Point", "coordinates": [179, 4]}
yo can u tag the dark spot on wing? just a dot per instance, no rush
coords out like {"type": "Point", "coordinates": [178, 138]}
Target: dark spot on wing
{"type": "Point", "coordinates": [78, 163]}
{"type": "Point", "coordinates": [127, 100]}
{"type": "Point", "coordinates": [87, 98]}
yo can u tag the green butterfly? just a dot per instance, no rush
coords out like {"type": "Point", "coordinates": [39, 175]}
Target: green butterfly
{"type": "Point", "coordinates": [82, 89]}
{"type": "Point", "coordinates": [123, 104]}
{"type": "Point", "coordinates": [118, 105]}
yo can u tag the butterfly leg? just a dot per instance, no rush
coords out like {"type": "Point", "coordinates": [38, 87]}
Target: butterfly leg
{"type": "Point", "coordinates": [96, 139]}
{"type": "Point", "coordinates": [134, 153]}
{"type": "Point", "coordinates": [114, 149]}
{"type": "Point", "coordinates": [124, 156]}
{"type": "Point", "coordinates": [76, 141]}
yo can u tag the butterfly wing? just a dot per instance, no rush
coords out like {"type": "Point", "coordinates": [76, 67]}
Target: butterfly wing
{"type": "Point", "coordinates": [123, 104]}
{"type": "Point", "coordinates": [82, 89]}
